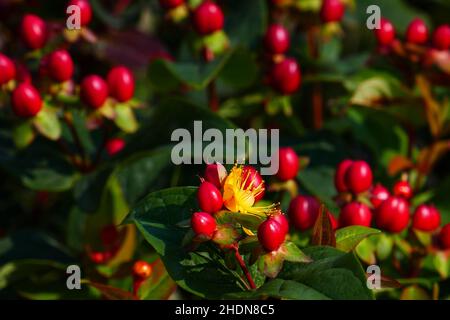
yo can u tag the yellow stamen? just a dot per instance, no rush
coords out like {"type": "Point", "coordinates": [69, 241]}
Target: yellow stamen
{"type": "Point", "coordinates": [238, 197]}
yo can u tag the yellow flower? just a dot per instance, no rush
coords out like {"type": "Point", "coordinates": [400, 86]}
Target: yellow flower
{"type": "Point", "coordinates": [238, 196]}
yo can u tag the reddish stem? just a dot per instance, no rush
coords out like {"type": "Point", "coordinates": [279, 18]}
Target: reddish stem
{"type": "Point", "coordinates": [212, 96]}
{"type": "Point", "coordinates": [241, 262]}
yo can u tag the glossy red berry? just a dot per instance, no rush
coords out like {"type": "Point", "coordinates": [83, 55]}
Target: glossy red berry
{"type": "Point", "coordinates": [208, 18]}
{"type": "Point", "coordinates": [203, 224]}
{"type": "Point", "coordinates": [444, 236]}
{"type": "Point", "coordinates": [114, 146]}
{"type": "Point", "coordinates": [417, 32]}
{"type": "Point", "coordinates": [403, 189]}
{"type": "Point", "coordinates": [170, 4]}
{"type": "Point", "coordinates": [285, 76]}
{"type": "Point", "coordinates": [283, 221]}
{"type": "Point", "coordinates": [60, 65]}
{"type": "Point", "coordinates": [209, 197]}
{"type": "Point", "coordinates": [426, 218]}
{"type": "Point", "coordinates": [339, 176]}
{"type": "Point", "coordinates": [358, 177]}
{"type": "Point", "coordinates": [94, 91]}
{"type": "Point", "coordinates": [355, 214]}
{"type": "Point", "coordinates": [7, 69]}
{"type": "Point", "coordinates": [378, 195]}
{"type": "Point", "coordinates": [215, 173]}
{"type": "Point", "coordinates": [33, 31]}
{"type": "Point", "coordinates": [142, 269]}
{"type": "Point", "coordinates": [393, 214]}
{"type": "Point", "coordinates": [289, 164]}
{"type": "Point", "coordinates": [252, 180]}
{"type": "Point", "coordinates": [386, 34]}
{"type": "Point", "coordinates": [121, 83]}
{"type": "Point", "coordinates": [85, 10]}
{"type": "Point", "coordinates": [271, 235]}
{"type": "Point", "coordinates": [26, 101]}
{"type": "Point", "coordinates": [276, 39]}
{"type": "Point", "coordinates": [441, 37]}
{"type": "Point", "coordinates": [303, 211]}
{"type": "Point", "coordinates": [332, 10]}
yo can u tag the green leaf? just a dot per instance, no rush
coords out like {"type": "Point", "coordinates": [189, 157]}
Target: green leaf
{"type": "Point", "coordinates": [241, 70]}
{"type": "Point", "coordinates": [157, 217]}
{"type": "Point", "coordinates": [47, 123]}
{"type": "Point", "coordinates": [366, 251]}
{"type": "Point", "coordinates": [333, 273]}
{"type": "Point", "coordinates": [23, 134]}
{"type": "Point", "coordinates": [293, 253]}
{"type": "Point", "coordinates": [281, 289]}
{"type": "Point", "coordinates": [349, 237]}
{"type": "Point", "coordinates": [165, 74]}
{"type": "Point", "coordinates": [125, 118]}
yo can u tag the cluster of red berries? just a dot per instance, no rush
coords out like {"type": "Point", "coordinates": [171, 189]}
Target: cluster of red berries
{"type": "Point", "coordinates": [390, 212]}
{"type": "Point", "coordinates": [271, 232]}
{"type": "Point", "coordinates": [284, 74]}
{"type": "Point", "coordinates": [416, 33]}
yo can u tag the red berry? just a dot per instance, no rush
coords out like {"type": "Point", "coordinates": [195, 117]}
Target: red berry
{"type": "Point", "coordinates": [98, 257]}
{"type": "Point", "coordinates": [339, 176]}
{"type": "Point", "coordinates": [393, 214]}
{"type": "Point", "coordinates": [94, 91]}
{"type": "Point", "coordinates": [303, 211]}
{"type": "Point", "coordinates": [426, 218]}
{"type": "Point", "coordinates": [386, 34]}
{"type": "Point", "coordinates": [215, 173]}
{"type": "Point", "coordinates": [441, 37]}
{"type": "Point", "coordinates": [444, 236]}
{"type": "Point", "coordinates": [26, 101]}
{"type": "Point", "coordinates": [33, 31]}
{"type": "Point", "coordinates": [209, 197]}
{"type": "Point", "coordinates": [285, 76]}
{"type": "Point", "coordinates": [355, 214]}
{"type": "Point", "coordinates": [142, 269]}
{"type": "Point", "coordinates": [252, 180]}
{"type": "Point", "coordinates": [109, 235]}
{"type": "Point", "coordinates": [332, 10]}
{"type": "Point", "coordinates": [121, 83]}
{"type": "Point", "coordinates": [378, 195]}
{"type": "Point", "coordinates": [276, 39]}
{"type": "Point", "coordinates": [114, 146]}
{"type": "Point", "coordinates": [334, 222]}
{"type": "Point", "coordinates": [289, 164]}
{"type": "Point", "coordinates": [208, 18]}
{"type": "Point", "coordinates": [85, 10]}
{"type": "Point", "coordinates": [170, 4]}
{"type": "Point", "coordinates": [283, 221]}
{"type": "Point", "coordinates": [271, 235]}
{"type": "Point", "coordinates": [403, 189]}
{"type": "Point", "coordinates": [358, 177]}
{"type": "Point", "coordinates": [7, 69]}
{"type": "Point", "coordinates": [417, 32]}
{"type": "Point", "coordinates": [203, 224]}
{"type": "Point", "coordinates": [60, 65]}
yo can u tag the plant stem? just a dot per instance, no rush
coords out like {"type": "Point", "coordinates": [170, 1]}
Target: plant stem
{"type": "Point", "coordinates": [213, 99]}
{"type": "Point", "coordinates": [241, 262]}
{"type": "Point", "coordinates": [77, 142]}
{"type": "Point", "coordinates": [317, 99]}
